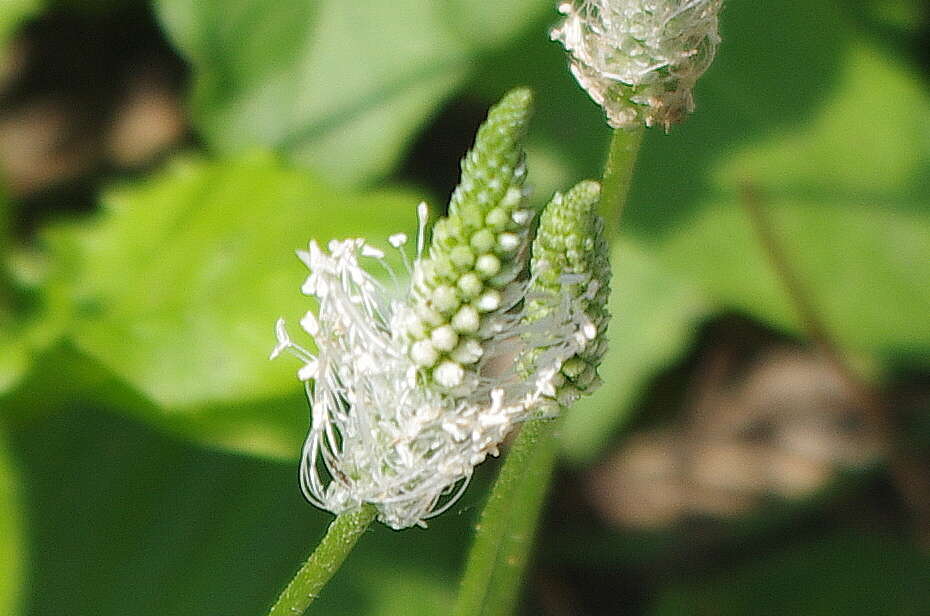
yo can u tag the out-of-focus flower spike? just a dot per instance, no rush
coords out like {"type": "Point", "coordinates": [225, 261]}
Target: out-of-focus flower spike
{"type": "Point", "coordinates": [640, 59]}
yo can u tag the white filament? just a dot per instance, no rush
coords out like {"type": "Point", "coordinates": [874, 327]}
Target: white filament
{"type": "Point", "coordinates": [380, 432]}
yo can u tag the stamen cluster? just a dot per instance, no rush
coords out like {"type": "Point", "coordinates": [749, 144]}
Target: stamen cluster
{"type": "Point", "coordinates": [410, 391]}
{"type": "Point", "coordinates": [640, 59]}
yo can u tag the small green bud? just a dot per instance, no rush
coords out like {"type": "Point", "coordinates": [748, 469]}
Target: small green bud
{"type": "Point", "coordinates": [468, 351]}
{"type": "Point", "coordinates": [423, 353]}
{"type": "Point", "coordinates": [483, 240]}
{"type": "Point", "coordinates": [466, 320]}
{"type": "Point", "coordinates": [462, 258]}
{"type": "Point", "coordinates": [445, 299]}
{"type": "Point", "coordinates": [487, 265]}
{"type": "Point", "coordinates": [470, 285]}
{"type": "Point", "coordinates": [429, 316]}
{"type": "Point", "coordinates": [497, 219]}
{"type": "Point", "coordinates": [508, 242]}
{"type": "Point", "coordinates": [489, 301]}
{"type": "Point", "coordinates": [444, 338]}
{"type": "Point", "coordinates": [449, 374]}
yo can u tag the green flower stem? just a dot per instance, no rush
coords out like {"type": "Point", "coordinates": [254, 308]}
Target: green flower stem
{"type": "Point", "coordinates": [324, 562]}
{"type": "Point", "coordinates": [618, 175]}
{"type": "Point", "coordinates": [504, 534]}
{"type": "Point", "coordinates": [497, 560]}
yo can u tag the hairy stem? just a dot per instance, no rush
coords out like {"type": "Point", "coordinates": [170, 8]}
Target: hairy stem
{"type": "Point", "coordinates": [497, 561]}
{"type": "Point", "coordinates": [618, 175]}
{"type": "Point", "coordinates": [504, 534]}
{"type": "Point", "coordinates": [323, 562]}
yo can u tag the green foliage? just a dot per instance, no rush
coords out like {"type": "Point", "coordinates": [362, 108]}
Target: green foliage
{"type": "Point", "coordinates": [847, 191]}
{"type": "Point", "coordinates": [12, 14]}
{"type": "Point", "coordinates": [174, 289]}
{"type": "Point", "coordinates": [340, 86]}
{"type": "Point", "coordinates": [161, 306]}
{"type": "Point", "coordinates": [830, 129]}
{"type": "Point", "coordinates": [845, 573]}
{"type": "Point", "coordinates": [157, 527]}
{"type": "Point", "coordinates": [12, 541]}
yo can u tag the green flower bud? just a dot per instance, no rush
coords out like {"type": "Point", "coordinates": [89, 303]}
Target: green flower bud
{"type": "Point", "coordinates": [478, 241]}
{"type": "Point", "coordinates": [561, 270]}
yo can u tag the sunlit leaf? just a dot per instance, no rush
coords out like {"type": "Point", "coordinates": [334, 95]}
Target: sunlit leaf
{"type": "Point", "coordinates": [175, 288]}
{"type": "Point", "coordinates": [341, 86]}
{"type": "Point", "coordinates": [847, 195]}
{"type": "Point", "coordinates": [12, 14]}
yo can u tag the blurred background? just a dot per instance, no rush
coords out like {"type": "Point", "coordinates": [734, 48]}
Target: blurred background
{"type": "Point", "coordinates": [761, 442]}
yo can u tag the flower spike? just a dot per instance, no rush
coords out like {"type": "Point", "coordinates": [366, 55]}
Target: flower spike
{"type": "Point", "coordinates": [570, 263]}
{"type": "Point", "coordinates": [409, 393]}
{"type": "Point", "coordinates": [466, 284]}
{"type": "Point", "coordinates": [640, 59]}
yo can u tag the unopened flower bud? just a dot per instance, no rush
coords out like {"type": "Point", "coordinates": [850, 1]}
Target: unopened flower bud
{"type": "Point", "coordinates": [582, 277]}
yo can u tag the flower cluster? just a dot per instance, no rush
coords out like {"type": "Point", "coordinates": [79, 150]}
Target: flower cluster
{"type": "Point", "coordinates": [409, 392]}
{"type": "Point", "coordinates": [640, 59]}
{"type": "Point", "coordinates": [463, 289]}
{"type": "Point", "coordinates": [570, 258]}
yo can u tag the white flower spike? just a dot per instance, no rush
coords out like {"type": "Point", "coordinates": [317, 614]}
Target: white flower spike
{"type": "Point", "coordinates": [409, 393]}
{"type": "Point", "coordinates": [640, 59]}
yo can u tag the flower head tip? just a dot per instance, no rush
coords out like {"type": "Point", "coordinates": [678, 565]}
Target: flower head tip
{"type": "Point", "coordinates": [640, 59]}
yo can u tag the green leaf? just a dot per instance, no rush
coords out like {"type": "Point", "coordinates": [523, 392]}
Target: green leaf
{"type": "Point", "coordinates": [12, 543]}
{"type": "Point", "coordinates": [487, 25]}
{"type": "Point", "coordinates": [15, 357]}
{"type": "Point", "coordinates": [847, 194]}
{"type": "Point", "coordinates": [846, 573]}
{"type": "Point", "coordinates": [654, 318]}
{"type": "Point", "coordinates": [341, 86]}
{"type": "Point", "coordinates": [12, 14]}
{"type": "Point", "coordinates": [24, 330]}
{"type": "Point", "coordinates": [175, 288]}
{"type": "Point", "coordinates": [130, 522]}
{"type": "Point", "coordinates": [866, 269]}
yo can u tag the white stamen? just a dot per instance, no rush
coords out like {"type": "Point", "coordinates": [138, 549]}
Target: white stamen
{"type": "Point", "coordinates": [371, 251]}
{"type": "Point", "coordinates": [401, 407]}
{"type": "Point", "coordinates": [284, 340]}
{"type": "Point", "coordinates": [422, 219]}
{"type": "Point", "coordinates": [310, 324]}
{"type": "Point", "coordinates": [449, 374]}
